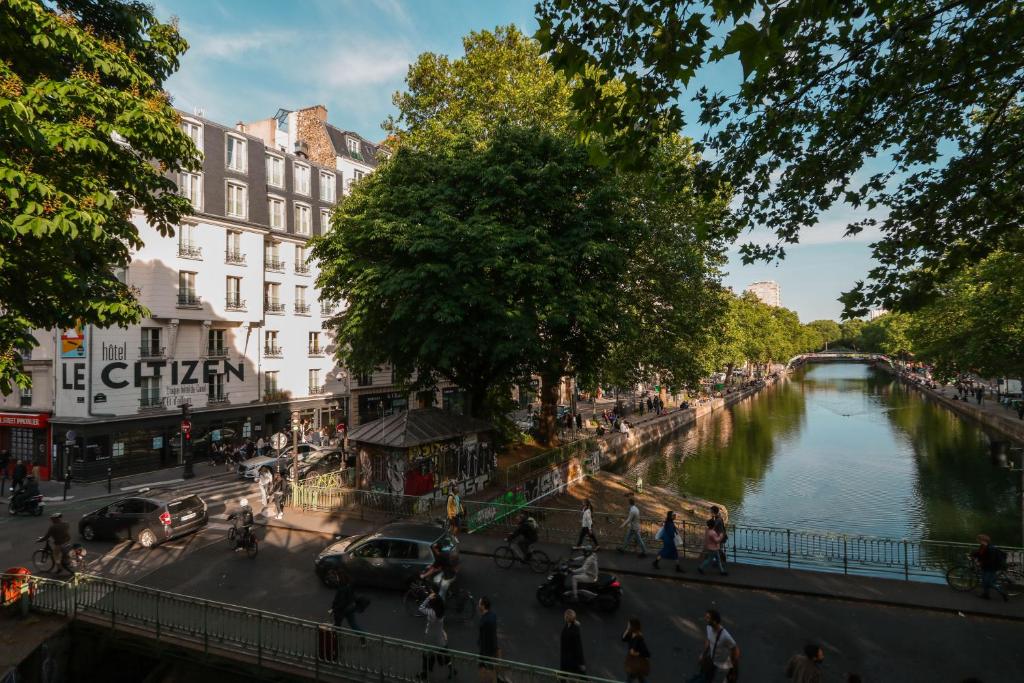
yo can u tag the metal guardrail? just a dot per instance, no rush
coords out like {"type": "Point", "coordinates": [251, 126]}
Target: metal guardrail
{"type": "Point", "coordinates": [271, 640]}
{"type": "Point", "coordinates": [521, 470]}
{"type": "Point", "coordinates": [772, 546]}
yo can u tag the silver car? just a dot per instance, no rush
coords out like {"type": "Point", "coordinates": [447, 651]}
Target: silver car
{"type": "Point", "coordinates": [392, 557]}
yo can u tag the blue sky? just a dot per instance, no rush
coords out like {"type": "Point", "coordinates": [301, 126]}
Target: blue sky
{"type": "Point", "coordinates": [247, 59]}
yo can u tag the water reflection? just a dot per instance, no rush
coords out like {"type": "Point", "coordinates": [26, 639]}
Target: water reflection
{"type": "Point", "coordinates": [844, 447]}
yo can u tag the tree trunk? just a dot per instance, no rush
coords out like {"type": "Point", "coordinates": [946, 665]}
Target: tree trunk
{"type": "Point", "coordinates": [547, 428]}
{"type": "Point", "coordinates": [728, 373]}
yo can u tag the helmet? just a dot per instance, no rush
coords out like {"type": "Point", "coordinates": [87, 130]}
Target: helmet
{"type": "Point", "coordinates": [244, 502]}
{"type": "Point", "coordinates": [56, 515]}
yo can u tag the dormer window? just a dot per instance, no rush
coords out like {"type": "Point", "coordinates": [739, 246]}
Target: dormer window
{"type": "Point", "coordinates": [353, 146]}
{"type": "Point", "coordinates": [235, 154]}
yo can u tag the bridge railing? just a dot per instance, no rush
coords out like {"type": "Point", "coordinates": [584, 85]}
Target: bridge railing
{"type": "Point", "coordinates": [270, 640]}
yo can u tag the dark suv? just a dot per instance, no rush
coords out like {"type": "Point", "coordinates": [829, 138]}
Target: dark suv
{"type": "Point", "coordinates": [147, 520]}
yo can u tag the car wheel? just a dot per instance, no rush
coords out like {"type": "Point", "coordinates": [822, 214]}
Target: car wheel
{"type": "Point", "coordinates": [89, 532]}
{"type": "Point", "coordinates": [147, 539]}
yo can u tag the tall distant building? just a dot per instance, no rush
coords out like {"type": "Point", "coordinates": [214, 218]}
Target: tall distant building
{"type": "Point", "coordinates": [767, 291]}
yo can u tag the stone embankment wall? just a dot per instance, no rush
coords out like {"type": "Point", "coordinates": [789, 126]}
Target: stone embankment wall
{"type": "Point", "coordinates": [1007, 425]}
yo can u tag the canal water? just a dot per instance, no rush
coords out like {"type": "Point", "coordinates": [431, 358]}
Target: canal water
{"type": "Point", "coordinates": [843, 447]}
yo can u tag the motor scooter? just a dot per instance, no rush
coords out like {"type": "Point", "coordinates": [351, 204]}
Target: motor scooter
{"type": "Point", "coordinates": [604, 594]}
{"type": "Point", "coordinates": [33, 505]}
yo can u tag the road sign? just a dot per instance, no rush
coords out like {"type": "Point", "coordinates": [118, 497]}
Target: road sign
{"type": "Point", "coordinates": [279, 441]}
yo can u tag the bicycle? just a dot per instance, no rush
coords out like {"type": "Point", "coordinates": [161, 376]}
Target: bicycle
{"type": "Point", "coordinates": [45, 560]}
{"type": "Point", "coordinates": [505, 556]}
{"type": "Point", "coordinates": [458, 606]}
{"type": "Point", "coordinates": [966, 576]}
{"type": "Point", "coordinates": [247, 541]}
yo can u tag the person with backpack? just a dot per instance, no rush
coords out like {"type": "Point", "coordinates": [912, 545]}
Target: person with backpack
{"type": "Point", "coordinates": [719, 526]}
{"type": "Point", "coordinates": [990, 560]}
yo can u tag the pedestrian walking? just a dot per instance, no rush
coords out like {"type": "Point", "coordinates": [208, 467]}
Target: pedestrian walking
{"type": "Point", "coordinates": [435, 637]}
{"type": "Point", "coordinates": [277, 494]}
{"type": "Point", "coordinates": [346, 604]}
{"type": "Point", "coordinates": [650, 404]}
{"type": "Point", "coordinates": [669, 537]}
{"type": "Point", "coordinates": [487, 641]}
{"type": "Point", "coordinates": [261, 446]}
{"type": "Point", "coordinates": [712, 545]}
{"type": "Point", "coordinates": [579, 421]}
{"type": "Point", "coordinates": [990, 560]}
{"type": "Point", "coordinates": [587, 524]}
{"type": "Point", "coordinates": [632, 525]}
{"type": "Point", "coordinates": [716, 517]}
{"type": "Point", "coordinates": [264, 480]}
{"type": "Point", "coordinates": [5, 458]}
{"type": "Point", "coordinates": [454, 511]}
{"type": "Point", "coordinates": [571, 650]}
{"type": "Point", "coordinates": [980, 393]}
{"type": "Point", "coordinates": [720, 658]}
{"type": "Point", "coordinates": [18, 479]}
{"type": "Point", "coordinates": [638, 657]}
{"type": "Point", "coordinates": [805, 667]}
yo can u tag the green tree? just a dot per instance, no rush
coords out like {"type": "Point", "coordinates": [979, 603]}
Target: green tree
{"type": "Point", "coordinates": [828, 330]}
{"type": "Point", "coordinates": [73, 74]}
{"type": "Point", "coordinates": [480, 266]}
{"type": "Point", "coordinates": [851, 332]}
{"type": "Point", "coordinates": [934, 85]}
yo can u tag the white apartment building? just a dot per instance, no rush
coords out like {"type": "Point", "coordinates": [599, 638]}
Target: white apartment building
{"type": "Point", "coordinates": [235, 326]}
{"type": "Point", "coordinates": [768, 291]}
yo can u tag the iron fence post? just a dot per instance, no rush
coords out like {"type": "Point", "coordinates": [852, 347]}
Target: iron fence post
{"type": "Point", "coordinates": [259, 638]}
{"type": "Point", "coordinates": [157, 617]}
{"type": "Point", "coordinates": [113, 607]}
{"type": "Point", "coordinates": [206, 628]}
{"type": "Point", "coordinates": [789, 552]}
{"type": "Point", "coordinates": [734, 544]}
{"type": "Point", "coordinates": [846, 566]}
{"type": "Point", "coordinates": [906, 562]}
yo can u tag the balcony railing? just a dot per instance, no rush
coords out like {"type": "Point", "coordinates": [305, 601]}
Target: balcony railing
{"type": "Point", "coordinates": [327, 309]}
{"type": "Point", "coordinates": [189, 299]}
{"type": "Point", "coordinates": [317, 389]}
{"type": "Point", "coordinates": [316, 351]}
{"type": "Point", "coordinates": [301, 268]}
{"type": "Point", "coordinates": [234, 303]}
{"type": "Point", "coordinates": [272, 351]}
{"type": "Point", "coordinates": [235, 257]}
{"type": "Point", "coordinates": [218, 397]}
{"type": "Point", "coordinates": [273, 264]}
{"type": "Point", "coordinates": [273, 306]}
{"type": "Point", "coordinates": [189, 250]}
{"type": "Point", "coordinates": [302, 308]}
{"type": "Point", "coordinates": [216, 351]}
{"type": "Point", "coordinates": [151, 351]}
{"type": "Point", "coordinates": [150, 401]}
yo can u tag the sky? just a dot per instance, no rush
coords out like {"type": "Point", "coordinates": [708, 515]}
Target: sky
{"type": "Point", "coordinates": [248, 59]}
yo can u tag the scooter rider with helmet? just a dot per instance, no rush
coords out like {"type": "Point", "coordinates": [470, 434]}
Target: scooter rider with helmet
{"type": "Point", "coordinates": [28, 490]}
{"type": "Point", "coordinates": [588, 571]}
{"type": "Point", "coordinates": [242, 521]}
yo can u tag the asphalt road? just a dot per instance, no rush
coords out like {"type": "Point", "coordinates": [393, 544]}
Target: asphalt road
{"type": "Point", "coordinates": [880, 643]}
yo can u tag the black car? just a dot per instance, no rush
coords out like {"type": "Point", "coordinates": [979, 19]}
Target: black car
{"type": "Point", "coordinates": [323, 461]}
{"type": "Point", "coordinates": [147, 520]}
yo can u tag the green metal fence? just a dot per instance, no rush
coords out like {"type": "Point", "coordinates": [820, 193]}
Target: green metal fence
{"type": "Point", "coordinates": [519, 471]}
{"type": "Point", "coordinates": [272, 640]}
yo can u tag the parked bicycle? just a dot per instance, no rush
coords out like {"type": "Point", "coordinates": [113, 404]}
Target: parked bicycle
{"type": "Point", "coordinates": [45, 559]}
{"type": "Point", "coordinates": [458, 606]}
{"type": "Point", "coordinates": [965, 576]}
{"type": "Point", "coordinates": [506, 555]}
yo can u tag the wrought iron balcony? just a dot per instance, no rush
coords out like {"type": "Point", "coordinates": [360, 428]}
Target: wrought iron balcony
{"type": "Point", "coordinates": [151, 351]}
{"type": "Point", "coordinates": [273, 306]}
{"type": "Point", "coordinates": [217, 398]}
{"type": "Point", "coordinates": [317, 389]}
{"type": "Point", "coordinates": [151, 401]}
{"type": "Point", "coordinates": [302, 308]}
{"type": "Point", "coordinates": [216, 351]}
{"type": "Point", "coordinates": [189, 250]}
{"type": "Point", "coordinates": [273, 264]}
{"type": "Point", "coordinates": [301, 268]}
{"type": "Point", "coordinates": [316, 351]}
{"type": "Point", "coordinates": [327, 309]}
{"type": "Point", "coordinates": [236, 257]}
{"type": "Point", "coordinates": [189, 299]}
{"type": "Point", "coordinates": [235, 303]}
{"type": "Point", "coordinates": [272, 351]}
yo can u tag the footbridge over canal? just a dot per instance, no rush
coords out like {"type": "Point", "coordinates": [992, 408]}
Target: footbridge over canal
{"type": "Point", "coordinates": [838, 357]}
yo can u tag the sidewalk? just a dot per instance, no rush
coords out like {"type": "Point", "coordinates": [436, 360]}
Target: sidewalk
{"type": "Point", "coordinates": [53, 491]}
{"type": "Point", "coordinates": [871, 590]}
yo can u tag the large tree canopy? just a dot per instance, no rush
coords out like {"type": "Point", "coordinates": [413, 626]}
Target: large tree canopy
{"type": "Point", "coordinates": [73, 74]}
{"type": "Point", "coordinates": [931, 87]}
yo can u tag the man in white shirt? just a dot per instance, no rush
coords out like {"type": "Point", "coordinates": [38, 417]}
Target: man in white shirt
{"type": "Point", "coordinates": [721, 654]}
{"type": "Point", "coordinates": [587, 573]}
{"type": "Point", "coordinates": [632, 525]}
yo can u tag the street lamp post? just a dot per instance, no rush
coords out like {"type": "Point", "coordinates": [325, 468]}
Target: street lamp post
{"type": "Point", "coordinates": [186, 440]}
{"type": "Point", "coordinates": [295, 446]}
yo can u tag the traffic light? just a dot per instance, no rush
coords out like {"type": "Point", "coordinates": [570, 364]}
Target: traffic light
{"type": "Point", "coordinates": [186, 430]}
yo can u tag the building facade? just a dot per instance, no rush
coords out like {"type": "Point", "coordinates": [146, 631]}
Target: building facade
{"type": "Point", "coordinates": [235, 327]}
{"type": "Point", "coordinates": [768, 291]}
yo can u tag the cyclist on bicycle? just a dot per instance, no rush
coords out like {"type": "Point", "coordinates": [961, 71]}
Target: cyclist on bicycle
{"type": "Point", "coordinates": [526, 533]}
{"type": "Point", "coordinates": [990, 561]}
{"type": "Point", "coordinates": [443, 567]}
{"type": "Point", "coordinates": [61, 537]}
{"type": "Point", "coordinates": [242, 522]}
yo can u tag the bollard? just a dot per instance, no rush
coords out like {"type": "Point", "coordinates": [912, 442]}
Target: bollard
{"type": "Point", "coordinates": [67, 482]}
{"type": "Point", "coordinates": [110, 473]}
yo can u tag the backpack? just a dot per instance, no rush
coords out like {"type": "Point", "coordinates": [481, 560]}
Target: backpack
{"type": "Point", "coordinates": [998, 557]}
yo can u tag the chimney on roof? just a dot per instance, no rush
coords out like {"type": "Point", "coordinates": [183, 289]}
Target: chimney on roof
{"type": "Point", "coordinates": [301, 149]}
{"type": "Point", "coordinates": [240, 127]}
{"type": "Point", "coordinates": [318, 111]}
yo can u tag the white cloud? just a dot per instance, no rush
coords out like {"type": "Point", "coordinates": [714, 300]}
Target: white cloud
{"type": "Point", "coordinates": [239, 46]}
{"type": "Point", "coordinates": [367, 64]}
